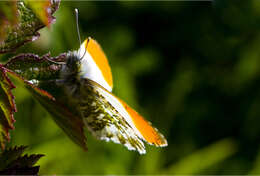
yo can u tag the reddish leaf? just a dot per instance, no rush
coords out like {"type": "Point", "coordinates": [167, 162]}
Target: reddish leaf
{"type": "Point", "coordinates": [61, 110]}
{"type": "Point", "coordinates": [7, 107]}
{"type": "Point", "coordinates": [27, 84]}
{"type": "Point", "coordinates": [7, 103]}
{"type": "Point", "coordinates": [31, 66]}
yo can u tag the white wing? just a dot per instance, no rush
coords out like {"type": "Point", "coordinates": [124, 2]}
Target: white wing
{"type": "Point", "coordinates": [94, 64]}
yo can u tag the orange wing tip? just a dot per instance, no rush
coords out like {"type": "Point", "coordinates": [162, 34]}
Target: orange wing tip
{"type": "Point", "coordinates": [161, 140]}
{"type": "Point", "coordinates": [158, 139]}
{"type": "Point", "coordinates": [150, 134]}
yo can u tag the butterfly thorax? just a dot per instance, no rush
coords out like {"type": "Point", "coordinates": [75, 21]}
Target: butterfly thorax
{"type": "Point", "coordinates": [70, 72]}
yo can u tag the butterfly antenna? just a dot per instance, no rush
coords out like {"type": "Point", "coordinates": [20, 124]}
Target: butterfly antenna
{"type": "Point", "coordinates": [77, 24]}
{"type": "Point", "coordinates": [86, 46]}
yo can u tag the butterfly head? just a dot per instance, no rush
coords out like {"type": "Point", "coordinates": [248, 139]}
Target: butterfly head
{"type": "Point", "coordinates": [71, 69]}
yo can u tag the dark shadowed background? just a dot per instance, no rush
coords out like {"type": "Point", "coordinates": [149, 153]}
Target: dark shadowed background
{"type": "Point", "coordinates": [191, 68]}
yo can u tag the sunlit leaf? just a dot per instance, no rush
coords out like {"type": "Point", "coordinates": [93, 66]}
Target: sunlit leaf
{"type": "Point", "coordinates": [7, 103]}
{"type": "Point", "coordinates": [31, 66]}
{"type": "Point", "coordinates": [12, 162]}
{"type": "Point", "coordinates": [42, 9]}
{"type": "Point", "coordinates": [8, 17]}
{"type": "Point", "coordinates": [27, 26]}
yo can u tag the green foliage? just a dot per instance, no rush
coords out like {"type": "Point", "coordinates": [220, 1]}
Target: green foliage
{"type": "Point", "coordinates": [18, 25]}
{"type": "Point", "coordinates": [33, 67]}
{"type": "Point", "coordinates": [12, 161]}
{"type": "Point", "coordinates": [33, 16]}
{"type": "Point", "coordinates": [27, 23]}
{"type": "Point", "coordinates": [45, 71]}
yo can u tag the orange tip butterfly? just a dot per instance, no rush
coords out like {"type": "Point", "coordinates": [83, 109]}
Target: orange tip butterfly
{"type": "Point", "coordinates": [87, 79]}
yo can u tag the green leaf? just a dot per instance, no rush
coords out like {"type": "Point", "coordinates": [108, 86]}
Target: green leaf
{"type": "Point", "coordinates": [62, 110]}
{"type": "Point", "coordinates": [28, 23]}
{"type": "Point", "coordinates": [50, 95]}
{"type": "Point", "coordinates": [42, 10]}
{"type": "Point", "coordinates": [7, 103]}
{"type": "Point", "coordinates": [33, 67]}
{"type": "Point", "coordinates": [12, 162]}
{"type": "Point", "coordinates": [25, 161]}
{"type": "Point", "coordinates": [7, 107]}
{"type": "Point", "coordinates": [9, 155]}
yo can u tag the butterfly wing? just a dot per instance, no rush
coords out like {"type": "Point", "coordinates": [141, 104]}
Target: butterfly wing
{"type": "Point", "coordinates": [110, 119]}
{"type": "Point", "coordinates": [94, 64]}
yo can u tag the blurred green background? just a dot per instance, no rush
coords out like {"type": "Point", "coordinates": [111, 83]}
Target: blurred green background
{"type": "Point", "coordinates": [191, 68]}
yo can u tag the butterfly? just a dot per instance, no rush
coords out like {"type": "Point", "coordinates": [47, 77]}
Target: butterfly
{"type": "Point", "coordinates": [87, 79]}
